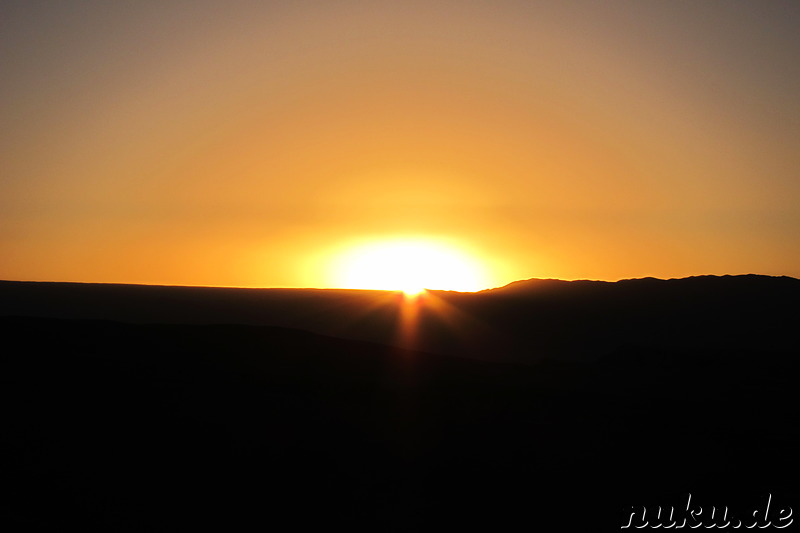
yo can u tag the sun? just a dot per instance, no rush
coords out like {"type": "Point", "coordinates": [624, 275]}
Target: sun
{"type": "Point", "coordinates": [408, 265]}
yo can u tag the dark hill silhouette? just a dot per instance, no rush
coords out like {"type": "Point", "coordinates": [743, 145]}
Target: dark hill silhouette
{"type": "Point", "coordinates": [590, 318]}
{"type": "Point", "coordinates": [194, 408]}
{"type": "Point", "coordinates": [525, 321]}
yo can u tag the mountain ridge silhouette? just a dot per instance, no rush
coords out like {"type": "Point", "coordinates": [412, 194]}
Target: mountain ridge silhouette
{"type": "Point", "coordinates": [160, 409]}
{"type": "Point", "coordinates": [525, 321]}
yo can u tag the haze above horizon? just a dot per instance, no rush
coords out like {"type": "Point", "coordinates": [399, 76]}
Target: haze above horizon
{"type": "Point", "coordinates": [258, 144]}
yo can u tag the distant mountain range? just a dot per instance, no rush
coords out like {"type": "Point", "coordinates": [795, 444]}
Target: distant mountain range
{"type": "Point", "coordinates": [525, 321]}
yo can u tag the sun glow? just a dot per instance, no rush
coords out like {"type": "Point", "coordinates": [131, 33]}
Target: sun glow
{"type": "Point", "coordinates": [408, 265]}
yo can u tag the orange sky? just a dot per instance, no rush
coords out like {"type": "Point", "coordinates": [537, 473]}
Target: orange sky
{"type": "Point", "coordinates": [245, 143]}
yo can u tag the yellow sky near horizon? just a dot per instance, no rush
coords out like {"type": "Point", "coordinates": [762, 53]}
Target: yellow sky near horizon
{"type": "Point", "coordinates": [248, 143]}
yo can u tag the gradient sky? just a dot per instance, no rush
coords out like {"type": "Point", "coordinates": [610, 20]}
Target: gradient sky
{"type": "Point", "coordinates": [243, 143]}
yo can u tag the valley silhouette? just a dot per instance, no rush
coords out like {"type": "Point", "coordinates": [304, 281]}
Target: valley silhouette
{"type": "Point", "coordinates": [544, 405]}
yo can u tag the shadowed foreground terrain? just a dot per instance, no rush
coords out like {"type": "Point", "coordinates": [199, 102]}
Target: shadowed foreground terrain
{"type": "Point", "coordinates": [120, 425]}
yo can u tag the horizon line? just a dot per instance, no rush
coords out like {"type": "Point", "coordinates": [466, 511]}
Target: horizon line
{"type": "Point", "coordinates": [166, 285]}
